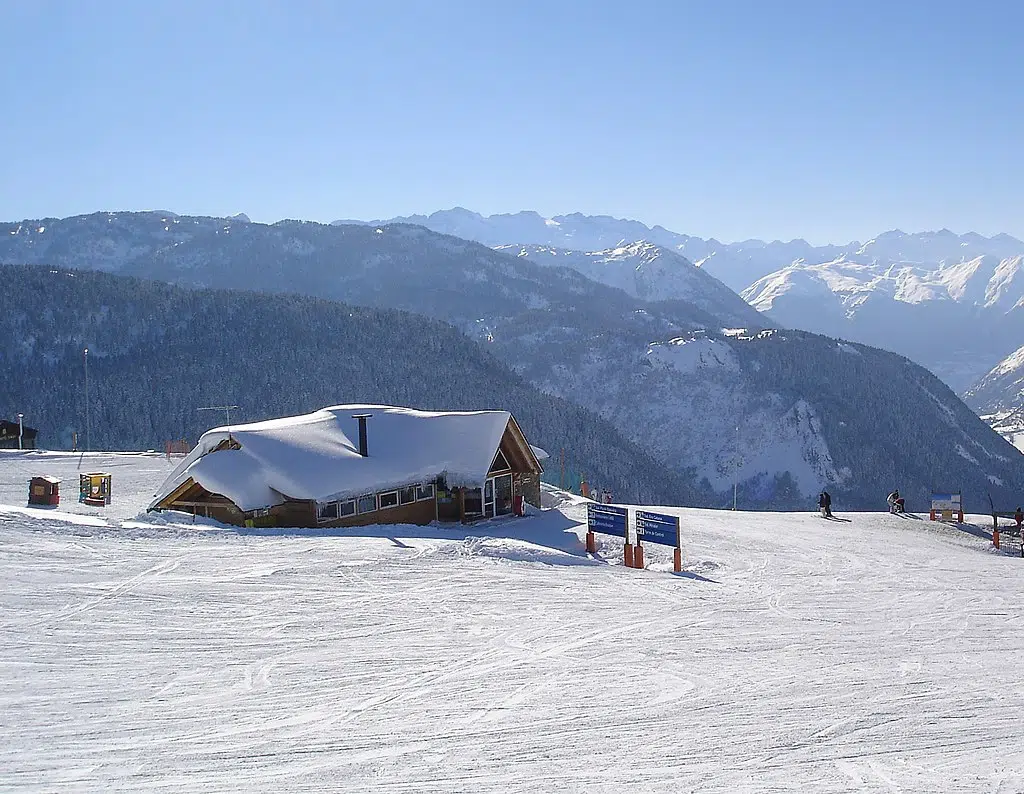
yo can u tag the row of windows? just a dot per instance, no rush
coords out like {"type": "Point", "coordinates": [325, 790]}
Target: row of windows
{"type": "Point", "coordinates": [369, 503]}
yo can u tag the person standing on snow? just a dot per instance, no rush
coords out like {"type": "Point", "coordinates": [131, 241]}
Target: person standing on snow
{"type": "Point", "coordinates": [1019, 518]}
{"type": "Point", "coordinates": [894, 501]}
{"type": "Point", "coordinates": [825, 504]}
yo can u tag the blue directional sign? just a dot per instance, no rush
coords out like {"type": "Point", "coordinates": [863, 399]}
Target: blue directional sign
{"type": "Point", "coordinates": [657, 528]}
{"type": "Point", "coordinates": [606, 519]}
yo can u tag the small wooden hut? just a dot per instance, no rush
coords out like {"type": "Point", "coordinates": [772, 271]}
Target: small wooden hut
{"type": "Point", "coordinates": [44, 491]}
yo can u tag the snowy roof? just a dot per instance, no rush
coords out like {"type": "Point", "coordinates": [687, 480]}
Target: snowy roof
{"type": "Point", "coordinates": [316, 456]}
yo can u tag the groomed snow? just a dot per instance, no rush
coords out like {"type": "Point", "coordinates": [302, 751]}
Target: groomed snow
{"type": "Point", "coordinates": [794, 653]}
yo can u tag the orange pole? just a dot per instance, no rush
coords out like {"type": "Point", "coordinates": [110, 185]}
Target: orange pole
{"type": "Point", "coordinates": [591, 543]}
{"type": "Point", "coordinates": [995, 537]}
{"type": "Point", "coordinates": [627, 555]}
{"type": "Point", "coordinates": [638, 556]}
{"type": "Point", "coordinates": [677, 561]}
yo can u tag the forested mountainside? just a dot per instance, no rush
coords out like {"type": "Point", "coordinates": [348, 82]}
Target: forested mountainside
{"type": "Point", "coordinates": [1002, 388]}
{"type": "Point", "coordinates": [157, 353]}
{"type": "Point", "coordinates": [783, 413]}
{"type": "Point", "coordinates": [998, 397]}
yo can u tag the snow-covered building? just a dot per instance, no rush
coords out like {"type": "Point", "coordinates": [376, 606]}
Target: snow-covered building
{"type": "Point", "coordinates": [352, 465]}
{"type": "Point", "coordinates": [15, 436]}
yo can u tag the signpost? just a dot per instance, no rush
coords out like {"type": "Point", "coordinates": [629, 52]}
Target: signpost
{"type": "Point", "coordinates": [946, 505]}
{"type": "Point", "coordinates": [608, 520]}
{"type": "Point", "coordinates": [652, 527]}
{"type": "Point", "coordinates": [659, 528]}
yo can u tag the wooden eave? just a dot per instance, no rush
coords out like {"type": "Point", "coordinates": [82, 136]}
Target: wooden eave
{"type": "Point", "coordinates": [516, 449]}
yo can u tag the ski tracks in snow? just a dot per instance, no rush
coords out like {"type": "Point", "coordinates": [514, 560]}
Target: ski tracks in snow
{"type": "Point", "coordinates": [849, 657]}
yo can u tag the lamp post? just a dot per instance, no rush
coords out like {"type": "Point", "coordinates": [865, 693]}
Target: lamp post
{"type": "Point", "coordinates": [736, 470]}
{"type": "Point", "coordinates": [88, 428]}
{"type": "Point", "coordinates": [21, 430]}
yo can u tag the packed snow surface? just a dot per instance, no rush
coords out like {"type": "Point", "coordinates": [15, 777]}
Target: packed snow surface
{"type": "Point", "coordinates": [870, 653]}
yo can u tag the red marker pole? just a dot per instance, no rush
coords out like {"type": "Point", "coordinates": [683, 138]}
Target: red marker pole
{"type": "Point", "coordinates": [627, 549]}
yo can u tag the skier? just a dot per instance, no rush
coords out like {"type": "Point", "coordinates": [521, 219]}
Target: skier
{"type": "Point", "coordinates": [825, 504]}
{"type": "Point", "coordinates": [1019, 518]}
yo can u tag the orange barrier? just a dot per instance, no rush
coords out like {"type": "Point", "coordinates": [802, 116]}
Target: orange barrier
{"type": "Point", "coordinates": [591, 543]}
{"type": "Point", "coordinates": [995, 537]}
{"type": "Point", "coordinates": [638, 556]}
{"type": "Point", "coordinates": [627, 555]}
{"type": "Point", "coordinates": [677, 561]}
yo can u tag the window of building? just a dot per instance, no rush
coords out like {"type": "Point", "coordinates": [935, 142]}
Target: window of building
{"type": "Point", "coordinates": [367, 503]}
{"type": "Point", "coordinates": [326, 511]}
{"type": "Point", "coordinates": [425, 491]}
{"type": "Point", "coordinates": [407, 495]}
{"type": "Point", "coordinates": [347, 508]}
{"type": "Point", "coordinates": [500, 463]}
{"type": "Point", "coordinates": [388, 499]}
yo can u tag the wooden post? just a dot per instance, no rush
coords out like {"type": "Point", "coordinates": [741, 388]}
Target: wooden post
{"type": "Point", "coordinates": [591, 543]}
{"type": "Point", "coordinates": [638, 556]}
{"type": "Point", "coordinates": [677, 555]}
{"type": "Point", "coordinates": [627, 555]}
{"type": "Point", "coordinates": [995, 537]}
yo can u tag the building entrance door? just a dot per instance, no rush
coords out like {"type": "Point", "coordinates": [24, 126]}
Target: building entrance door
{"type": "Point", "coordinates": [489, 498]}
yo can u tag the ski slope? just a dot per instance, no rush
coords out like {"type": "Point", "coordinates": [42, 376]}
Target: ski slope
{"type": "Point", "coordinates": [794, 653]}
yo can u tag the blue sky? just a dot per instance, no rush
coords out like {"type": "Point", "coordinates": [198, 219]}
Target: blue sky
{"type": "Point", "coordinates": [825, 120]}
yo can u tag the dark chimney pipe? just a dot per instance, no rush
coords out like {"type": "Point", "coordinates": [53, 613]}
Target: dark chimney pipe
{"type": "Point", "coordinates": [362, 432]}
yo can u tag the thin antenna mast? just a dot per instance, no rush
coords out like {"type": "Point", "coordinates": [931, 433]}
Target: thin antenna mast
{"type": "Point", "coordinates": [227, 409]}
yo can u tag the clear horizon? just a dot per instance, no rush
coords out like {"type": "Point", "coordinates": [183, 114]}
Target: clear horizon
{"type": "Point", "coordinates": [732, 120]}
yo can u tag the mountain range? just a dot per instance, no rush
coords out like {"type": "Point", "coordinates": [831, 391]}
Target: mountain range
{"type": "Point", "coordinates": [705, 386]}
{"type": "Point", "coordinates": [950, 302]}
{"type": "Point", "coordinates": [956, 319]}
{"type": "Point", "coordinates": [736, 264]}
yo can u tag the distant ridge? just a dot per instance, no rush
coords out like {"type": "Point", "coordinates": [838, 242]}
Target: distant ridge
{"type": "Point", "coordinates": [737, 264]}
